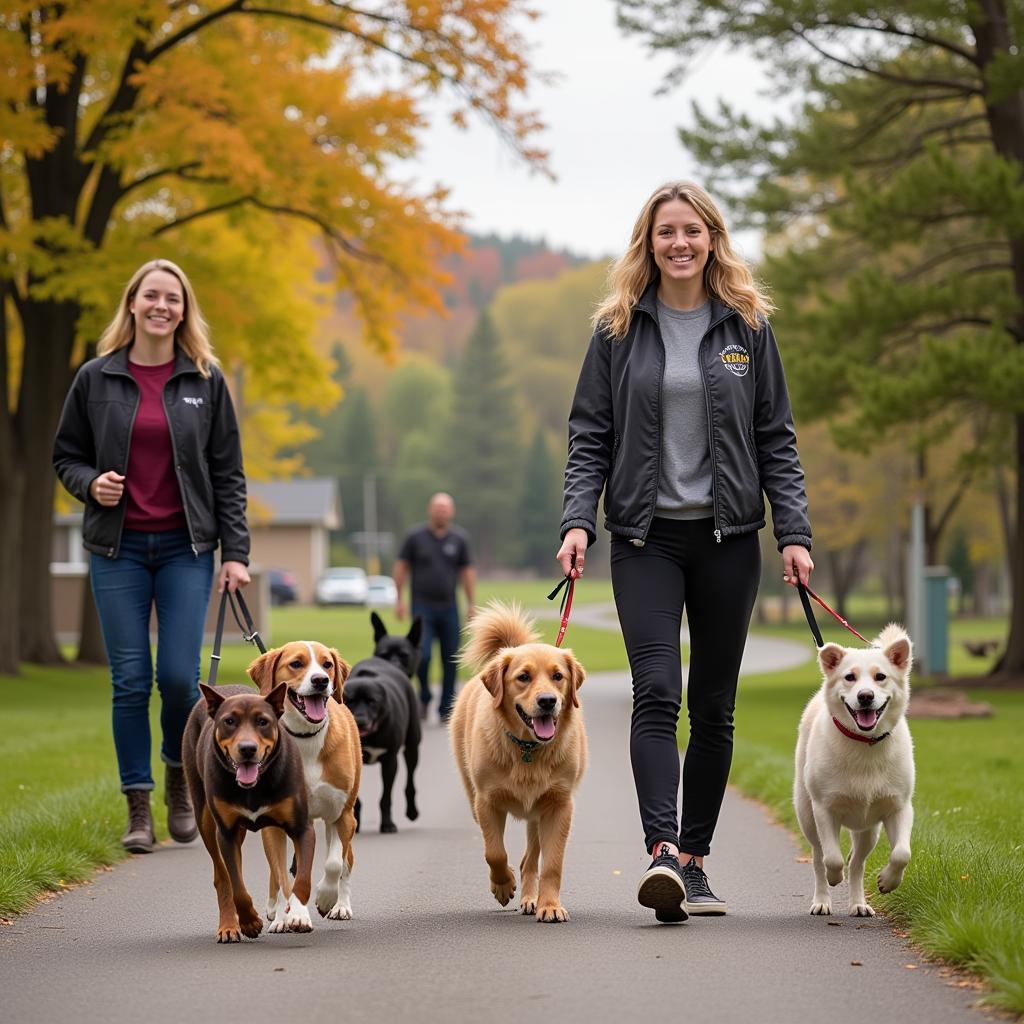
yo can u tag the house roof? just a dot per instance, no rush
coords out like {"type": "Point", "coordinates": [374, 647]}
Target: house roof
{"type": "Point", "coordinates": [312, 501]}
{"type": "Point", "coordinates": [296, 502]}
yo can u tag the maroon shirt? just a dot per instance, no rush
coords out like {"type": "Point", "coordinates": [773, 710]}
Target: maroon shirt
{"type": "Point", "coordinates": [154, 499]}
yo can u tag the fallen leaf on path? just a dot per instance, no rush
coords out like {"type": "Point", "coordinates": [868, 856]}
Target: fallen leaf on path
{"type": "Point", "coordinates": [856, 963]}
{"type": "Point", "coordinates": [803, 860]}
{"type": "Point", "coordinates": [834, 924]}
{"type": "Point", "coordinates": [911, 967]}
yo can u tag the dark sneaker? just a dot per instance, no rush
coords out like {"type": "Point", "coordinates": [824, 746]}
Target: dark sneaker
{"type": "Point", "coordinates": [699, 897]}
{"type": "Point", "coordinates": [661, 887]}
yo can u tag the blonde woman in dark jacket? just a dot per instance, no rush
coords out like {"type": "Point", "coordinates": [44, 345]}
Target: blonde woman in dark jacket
{"type": "Point", "coordinates": [681, 415]}
{"type": "Point", "coordinates": [149, 443]}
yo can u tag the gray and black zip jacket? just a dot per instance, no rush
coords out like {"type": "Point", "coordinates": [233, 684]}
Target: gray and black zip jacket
{"type": "Point", "coordinates": [615, 430]}
{"type": "Point", "coordinates": [95, 432]}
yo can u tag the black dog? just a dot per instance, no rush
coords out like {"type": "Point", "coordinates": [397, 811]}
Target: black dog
{"type": "Point", "coordinates": [380, 696]}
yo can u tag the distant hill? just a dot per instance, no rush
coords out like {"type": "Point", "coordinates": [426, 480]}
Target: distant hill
{"type": "Point", "coordinates": [488, 263]}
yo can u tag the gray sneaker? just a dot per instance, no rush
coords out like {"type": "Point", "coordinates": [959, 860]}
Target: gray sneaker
{"type": "Point", "coordinates": [700, 900]}
{"type": "Point", "coordinates": [661, 887]}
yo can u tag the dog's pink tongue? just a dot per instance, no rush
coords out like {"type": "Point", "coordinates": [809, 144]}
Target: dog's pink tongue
{"type": "Point", "coordinates": [544, 727]}
{"type": "Point", "coordinates": [246, 774]}
{"type": "Point", "coordinates": [867, 717]}
{"type": "Point", "coordinates": [316, 708]}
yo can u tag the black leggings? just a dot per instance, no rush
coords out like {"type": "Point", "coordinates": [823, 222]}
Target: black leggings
{"type": "Point", "coordinates": [682, 563]}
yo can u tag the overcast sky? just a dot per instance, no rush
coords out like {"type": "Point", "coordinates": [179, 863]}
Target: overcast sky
{"type": "Point", "coordinates": [611, 139]}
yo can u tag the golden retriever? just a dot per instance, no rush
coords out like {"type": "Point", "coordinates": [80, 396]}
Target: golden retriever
{"type": "Point", "coordinates": [518, 738]}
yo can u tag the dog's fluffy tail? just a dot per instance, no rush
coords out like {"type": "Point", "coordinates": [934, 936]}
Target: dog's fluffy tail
{"type": "Point", "coordinates": [498, 625]}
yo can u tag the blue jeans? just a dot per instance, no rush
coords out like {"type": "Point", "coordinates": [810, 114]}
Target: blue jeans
{"type": "Point", "coordinates": [441, 624]}
{"type": "Point", "coordinates": [152, 568]}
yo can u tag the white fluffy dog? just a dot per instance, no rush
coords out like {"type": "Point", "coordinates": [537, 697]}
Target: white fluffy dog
{"type": "Point", "coordinates": [855, 765]}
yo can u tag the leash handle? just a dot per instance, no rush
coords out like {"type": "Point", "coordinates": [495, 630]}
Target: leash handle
{"type": "Point", "coordinates": [251, 637]}
{"type": "Point", "coordinates": [569, 583]}
{"type": "Point", "coordinates": [806, 592]}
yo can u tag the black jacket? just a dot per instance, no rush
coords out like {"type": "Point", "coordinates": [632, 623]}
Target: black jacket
{"type": "Point", "coordinates": [95, 432]}
{"type": "Point", "coordinates": [615, 430]}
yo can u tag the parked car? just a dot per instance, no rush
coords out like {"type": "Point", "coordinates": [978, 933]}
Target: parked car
{"type": "Point", "coordinates": [344, 584]}
{"type": "Point", "coordinates": [381, 592]}
{"type": "Point", "coordinates": [284, 588]}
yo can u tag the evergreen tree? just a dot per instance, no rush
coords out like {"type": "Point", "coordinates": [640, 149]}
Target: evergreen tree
{"type": "Point", "coordinates": [540, 508]}
{"type": "Point", "coordinates": [897, 193]}
{"type": "Point", "coordinates": [483, 447]}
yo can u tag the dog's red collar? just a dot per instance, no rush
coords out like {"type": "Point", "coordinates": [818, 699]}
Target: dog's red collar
{"type": "Point", "coordinates": [872, 740]}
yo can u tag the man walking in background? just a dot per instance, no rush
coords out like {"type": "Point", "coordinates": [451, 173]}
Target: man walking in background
{"type": "Point", "coordinates": [436, 557]}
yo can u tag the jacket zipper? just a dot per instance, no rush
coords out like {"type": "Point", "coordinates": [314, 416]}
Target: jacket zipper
{"type": "Point", "coordinates": [177, 468]}
{"type": "Point", "coordinates": [711, 439]}
{"type": "Point", "coordinates": [639, 542]}
{"type": "Point", "coordinates": [114, 551]}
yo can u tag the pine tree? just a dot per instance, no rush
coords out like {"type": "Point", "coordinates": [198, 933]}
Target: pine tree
{"type": "Point", "coordinates": [539, 508]}
{"type": "Point", "coordinates": [483, 447]}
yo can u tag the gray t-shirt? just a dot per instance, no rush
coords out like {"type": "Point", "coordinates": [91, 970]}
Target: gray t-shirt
{"type": "Point", "coordinates": [684, 486]}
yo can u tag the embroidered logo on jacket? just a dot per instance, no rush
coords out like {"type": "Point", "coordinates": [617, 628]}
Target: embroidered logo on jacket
{"type": "Point", "coordinates": [192, 401]}
{"type": "Point", "coordinates": [736, 359]}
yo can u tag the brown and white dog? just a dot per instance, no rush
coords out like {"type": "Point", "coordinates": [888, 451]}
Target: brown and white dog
{"type": "Point", "coordinates": [327, 738]}
{"type": "Point", "coordinates": [518, 738]}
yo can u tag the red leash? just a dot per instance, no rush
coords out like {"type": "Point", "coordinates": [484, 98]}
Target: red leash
{"type": "Point", "coordinates": [815, 632]}
{"type": "Point", "coordinates": [566, 606]}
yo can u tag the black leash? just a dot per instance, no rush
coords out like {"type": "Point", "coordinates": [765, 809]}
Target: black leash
{"type": "Point", "coordinates": [250, 634]}
{"type": "Point", "coordinates": [805, 594]}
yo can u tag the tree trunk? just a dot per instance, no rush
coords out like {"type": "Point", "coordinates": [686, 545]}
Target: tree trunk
{"type": "Point", "coordinates": [91, 649]}
{"type": "Point", "coordinates": [1005, 113]}
{"type": "Point", "coordinates": [46, 376]}
{"type": "Point", "coordinates": [13, 475]}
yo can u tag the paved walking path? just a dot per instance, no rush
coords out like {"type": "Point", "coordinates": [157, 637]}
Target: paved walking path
{"type": "Point", "coordinates": [428, 942]}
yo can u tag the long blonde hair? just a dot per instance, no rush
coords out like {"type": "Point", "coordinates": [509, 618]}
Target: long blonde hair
{"type": "Point", "coordinates": [726, 275]}
{"type": "Point", "coordinates": [192, 334]}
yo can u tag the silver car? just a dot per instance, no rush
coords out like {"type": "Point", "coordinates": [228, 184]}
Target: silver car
{"type": "Point", "coordinates": [342, 585]}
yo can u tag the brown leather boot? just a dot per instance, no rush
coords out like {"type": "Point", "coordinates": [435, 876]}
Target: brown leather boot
{"type": "Point", "coordinates": [181, 820]}
{"type": "Point", "coordinates": [139, 836]}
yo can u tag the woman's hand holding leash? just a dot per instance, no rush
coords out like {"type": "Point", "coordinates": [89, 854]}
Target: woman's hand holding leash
{"type": "Point", "coordinates": [232, 575]}
{"type": "Point", "coordinates": [570, 554]}
{"type": "Point", "coordinates": [797, 565]}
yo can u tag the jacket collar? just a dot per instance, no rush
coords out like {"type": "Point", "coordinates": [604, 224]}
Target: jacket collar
{"type": "Point", "coordinates": [648, 302]}
{"type": "Point", "coordinates": [117, 362]}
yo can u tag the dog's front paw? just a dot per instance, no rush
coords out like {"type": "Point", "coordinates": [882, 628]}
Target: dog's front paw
{"type": "Point", "coordinates": [411, 810]}
{"type": "Point", "coordinates": [552, 913]}
{"type": "Point", "coordinates": [889, 878]}
{"type": "Point", "coordinates": [297, 917]}
{"type": "Point", "coordinates": [250, 923]}
{"type": "Point", "coordinates": [504, 889]}
{"type": "Point", "coordinates": [821, 907]}
{"type": "Point", "coordinates": [388, 827]}
{"type": "Point", "coordinates": [861, 910]}
{"type": "Point", "coordinates": [339, 912]}
{"type": "Point", "coordinates": [834, 871]}
{"type": "Point", "coordinates": [528, 905]}
{"type": "Point", "coordinates": [229, 933]}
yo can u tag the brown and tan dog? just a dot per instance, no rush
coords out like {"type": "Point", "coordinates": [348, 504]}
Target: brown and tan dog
{"type": "Point", "coordinates": [327, 739]}
{"type": "Point", "coordinates": [518, 738]}
{"type": "Point", "coordinates": [245, 774]}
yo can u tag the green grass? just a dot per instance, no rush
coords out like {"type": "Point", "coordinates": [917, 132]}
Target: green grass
{"type": "Point", "coordinates": [61, 812]}
{"type": "Point", "coordinates": [962, 898]}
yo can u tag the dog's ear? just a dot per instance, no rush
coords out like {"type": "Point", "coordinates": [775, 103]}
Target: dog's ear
{"type": "Point", "coordinates": [213, 697]}
{"type": "Point", "coordinates": [276, 698]}
{"type": "Point", "coordinates": [415, 631]}
{"type": "Point", "coordinates": [379, 629]}
{"type": "Point", "coordinates": [493, 677]}
{"type": "Point", "coordinates": [341, 671]}
{"type": "Point", "coordinates": [262, 670]}
{"type": "Point", "coordinates": [829, 657]}
{"type": "Point", "coordinates": [576, 676]}
{"type": "Point", "coordinates": [899, 654]}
